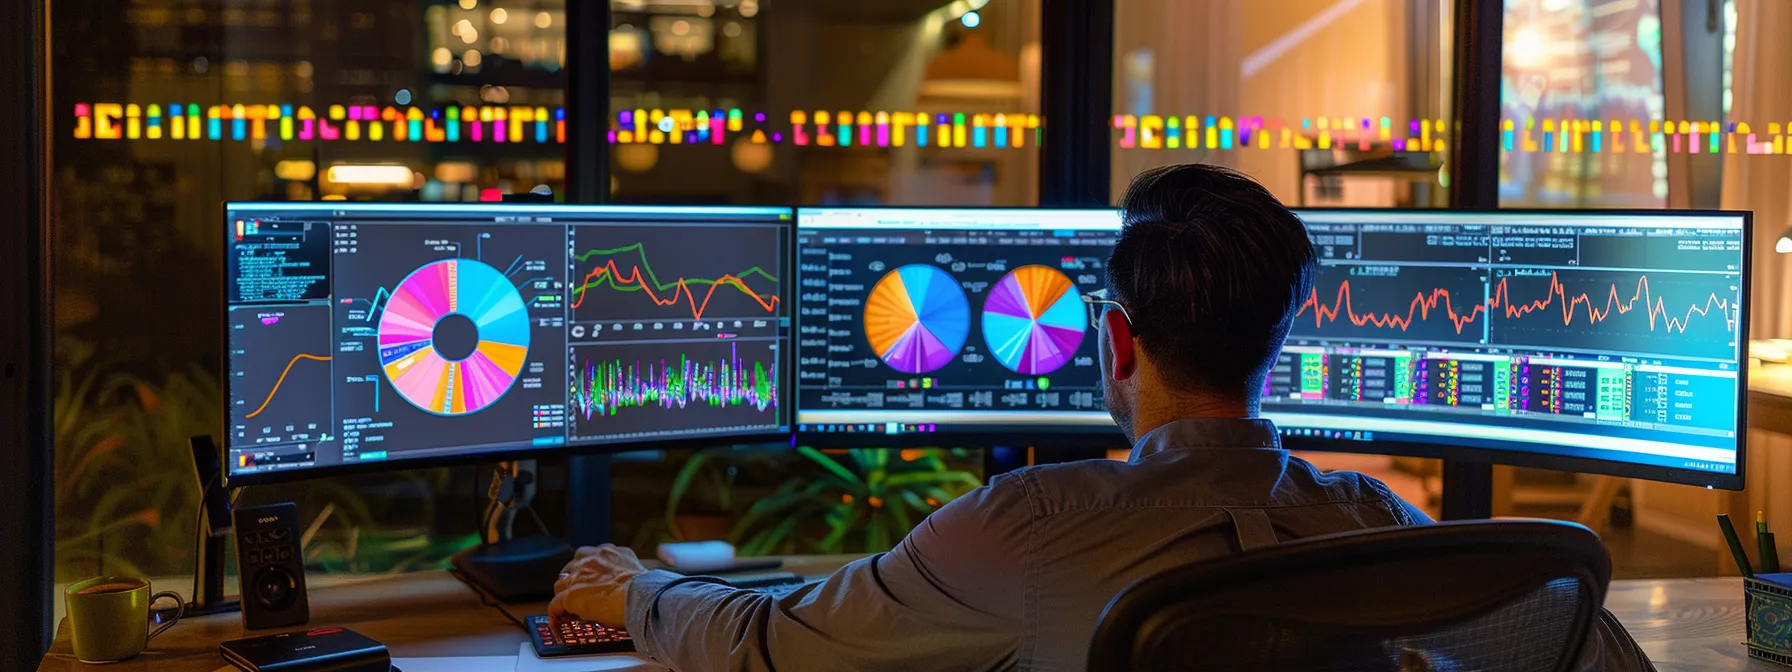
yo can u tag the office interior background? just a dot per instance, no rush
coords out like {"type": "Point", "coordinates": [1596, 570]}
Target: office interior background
{"type": "Point", "coordinates": [161, 109]}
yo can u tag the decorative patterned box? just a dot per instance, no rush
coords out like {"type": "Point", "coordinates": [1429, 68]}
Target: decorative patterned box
{"type": "Point", "coordinates": [1768, 600]}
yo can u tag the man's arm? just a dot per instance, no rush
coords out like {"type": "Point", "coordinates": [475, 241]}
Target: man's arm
{"type": "Point", "coordinates": [949, 596]}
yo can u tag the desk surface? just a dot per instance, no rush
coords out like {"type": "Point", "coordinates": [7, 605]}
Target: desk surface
{"type": "Point", "coordinates": [1683, 624]}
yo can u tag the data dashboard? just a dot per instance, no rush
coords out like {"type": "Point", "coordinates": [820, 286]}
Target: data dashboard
{"type": "Point", "coordinates": [915, 320]}
{"type": "Point", "coordinates": [373, 332]}
{"type": "Point", "coordinates": [1603, 336]}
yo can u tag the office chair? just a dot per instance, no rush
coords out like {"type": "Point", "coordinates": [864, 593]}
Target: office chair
{"type": "Point", "coordinates": [1492, 596]}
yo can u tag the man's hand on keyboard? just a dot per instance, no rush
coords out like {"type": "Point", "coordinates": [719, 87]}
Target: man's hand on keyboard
{"type": "Point", "coordinates": [594, 586]}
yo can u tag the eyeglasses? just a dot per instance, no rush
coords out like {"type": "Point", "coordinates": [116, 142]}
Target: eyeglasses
{"type": "Point", "coordinates": [1098, 302]}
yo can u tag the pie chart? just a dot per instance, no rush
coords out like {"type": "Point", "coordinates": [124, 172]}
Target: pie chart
{"type": "Point", "coordinates": [453, 336]}
{"type": "Point", "coordinates": [917, 318]}
{"type": "Point", "coordinates": [1034, 320]}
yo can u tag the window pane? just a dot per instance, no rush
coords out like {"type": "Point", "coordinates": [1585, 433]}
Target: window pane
{"type": "Point", "coordinates": [166, 108]}
{"type": "Point", "coordinates": [1568, 65]}
{"type": "Point", "coordinates": [1286, 96]}
{"type": "Point", "coordinates": [913, 102]}
{"type": "Point", "coordinates": [908, 102]}
{"type": "Point", "coordinates": [1300, 98]}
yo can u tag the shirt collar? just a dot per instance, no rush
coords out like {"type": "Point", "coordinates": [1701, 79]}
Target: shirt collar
{"type": "Point", "coordinates": [1208, 433]}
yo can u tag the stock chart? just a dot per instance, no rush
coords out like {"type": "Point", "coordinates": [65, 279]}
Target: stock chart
{"type": "Point", "coordinates": [673, 325]}
{"type": "Point", "coordinates": [1602, 336]}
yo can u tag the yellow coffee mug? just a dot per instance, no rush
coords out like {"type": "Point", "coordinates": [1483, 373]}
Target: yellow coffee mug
{"type": "Point", "coordinates": [109, 616]}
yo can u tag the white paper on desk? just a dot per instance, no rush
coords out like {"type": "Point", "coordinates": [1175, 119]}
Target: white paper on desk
{"type": "Point", "coordinates": [527, 661]}
{"type": "Point", "coordinates": [462, 664]}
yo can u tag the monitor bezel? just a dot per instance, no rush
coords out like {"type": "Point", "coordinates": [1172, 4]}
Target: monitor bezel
{"type": "Point", "coordinates": [1007, 436]}
{"type": "Point", "coordinates": [1523, 458]}
{"type": "Point", "coordinates": [786, 357]}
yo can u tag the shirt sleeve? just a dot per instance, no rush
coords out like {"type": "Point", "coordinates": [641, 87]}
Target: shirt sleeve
{"type": "Point", "coordinates": [949, 596]}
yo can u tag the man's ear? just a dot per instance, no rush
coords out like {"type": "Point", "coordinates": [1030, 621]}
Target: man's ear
{"type": "Point", "coordinates": [1122, 356]}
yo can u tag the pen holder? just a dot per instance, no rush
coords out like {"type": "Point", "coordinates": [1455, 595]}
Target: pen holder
{"type": "Point", "coordinates": [1767, 600]}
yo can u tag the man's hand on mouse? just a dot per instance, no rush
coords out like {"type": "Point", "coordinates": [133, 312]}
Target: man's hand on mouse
{"type": "Point", "coordinates": [594, 586]}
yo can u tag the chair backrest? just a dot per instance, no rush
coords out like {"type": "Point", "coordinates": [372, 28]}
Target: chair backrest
{"type": "Point", "coordinates": [1474, 595]}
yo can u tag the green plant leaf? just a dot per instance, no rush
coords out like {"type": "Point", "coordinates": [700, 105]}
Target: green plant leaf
{"type": "Point", "coordinates": [898, 507]}
{"type": "Point", "coordinates": [781, 502]}
{"type": "Point", "coordinates": [876, 539]}
{"type": "Point", "coordinates": [770, 538]}
{"type": "Point", "coordinates": [844, 519]}
{"type": "Point", "coordinates": [917, 502]}
{"type": "Point", "coordinates": [831, 466]}
{"type": "Point", "coordinates": [934, 478]}
{"type": "Point", "coordinates": [680, 484]}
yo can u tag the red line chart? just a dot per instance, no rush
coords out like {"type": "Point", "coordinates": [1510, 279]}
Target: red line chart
{"type": "Point", "coordinates": [1656, 309]}
{"type": "Point", "coordinates": [1423, 304]}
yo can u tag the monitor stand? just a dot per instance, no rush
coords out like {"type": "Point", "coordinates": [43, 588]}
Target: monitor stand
{"type": "Point", "coordinates": [213, 531]}
{"type": "Point", "coordinates": [507, 567]}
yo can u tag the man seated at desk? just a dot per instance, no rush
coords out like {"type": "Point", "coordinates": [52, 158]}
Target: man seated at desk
{"type": "Point", "coordinates": [1205, 280]}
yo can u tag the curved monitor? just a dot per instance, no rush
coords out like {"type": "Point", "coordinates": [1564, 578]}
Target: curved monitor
{"type": "Point", "coordinates": [399, 335]}
{"type": "Point", "coordinates": [1602, 341]}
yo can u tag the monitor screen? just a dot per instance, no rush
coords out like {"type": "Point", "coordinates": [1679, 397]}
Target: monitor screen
{"type": "Point", "coordinates": [405, 333]}
{"type": "Point", "coordinates": [947, 321]}
{"type": "Point", "coordinates": [1594, 341]}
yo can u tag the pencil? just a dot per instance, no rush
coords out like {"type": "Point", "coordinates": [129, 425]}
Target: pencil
{"type": "Point", "coordinates": [1764, 543]}
{"type": "Point", "coordinates": [1771, 563]}
{"type": "Point", "coordinates": [1729, 530]}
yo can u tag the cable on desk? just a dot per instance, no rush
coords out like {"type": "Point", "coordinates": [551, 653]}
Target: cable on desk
{"type": "Point", "coordinates": [487, 600]}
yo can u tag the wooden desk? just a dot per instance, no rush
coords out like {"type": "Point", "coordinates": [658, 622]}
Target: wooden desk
{"type": "Point", "coordinates": [1685, 625]}
{"type": "Point", "coordinates": [420, 615]}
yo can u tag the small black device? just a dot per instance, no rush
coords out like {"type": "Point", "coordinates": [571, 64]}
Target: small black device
{"type": "Point", "coordinates": [740, 566]}
{"type": "Point", "coordinates": [764, 580]}
{"type": "Point", "coordinates": [271, 567]}
{"type": "Point", "coordinates": [321, 650]}
{"type": "Point", "coordinates": [575, 637]}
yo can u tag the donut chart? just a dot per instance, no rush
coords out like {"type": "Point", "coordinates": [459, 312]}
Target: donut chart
{"type": "Point", "coordinates": [917, 318]}
{"type": "Point", "coordinates": [453, 337]}
{"type": "Point", "coordinates": [1034, 320]}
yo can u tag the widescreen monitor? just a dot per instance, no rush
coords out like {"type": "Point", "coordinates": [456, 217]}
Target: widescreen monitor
{"type": "Point", "coordinates": [1602, 341]}
{"type": "Point", "coordinates": [917, 325]}
{"type": "Point", "coordinates": [409, 334]}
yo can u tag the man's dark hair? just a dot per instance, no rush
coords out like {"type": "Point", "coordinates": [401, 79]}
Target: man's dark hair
{"type": "Point", "coordinates": [1211, 268]}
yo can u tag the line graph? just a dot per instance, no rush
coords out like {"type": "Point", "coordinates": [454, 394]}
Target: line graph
{"type": "Point", "coordinates": [675, 273]}
{"type": "Point", "coordinates": [606, 387]}
{"type": "Point", "coordinates": [373, 305]}
{"type": "Point", "coordinates": [282, 379]}
{"type": "Point", "coordinates": [278, 390]}
{"type": "Point", "coordinates": [1654, 305]}
{"type": "Point", "coordinates": [699, 385]}
{"type": "Point", "coordinates": [1671, 314]}
{"type": "Point", "coordinates": [1420, 309]}
{"type": "Point", "coordinates": [634, 281]}
{"type": "Point", "coordinates": [1408, 303]}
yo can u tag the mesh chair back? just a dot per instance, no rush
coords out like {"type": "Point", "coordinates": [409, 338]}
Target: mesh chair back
{"type": "Point", "coordinates": [1487, 596]}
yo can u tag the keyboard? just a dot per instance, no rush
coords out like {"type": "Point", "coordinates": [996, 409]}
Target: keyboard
{"type": "Point", "coordinates": [578, 637]}
{"type": "Point", "coordinates": [575, 637]}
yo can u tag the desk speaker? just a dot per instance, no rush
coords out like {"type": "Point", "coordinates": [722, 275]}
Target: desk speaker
{"type": "Point", "coordinates": [270, 566]}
